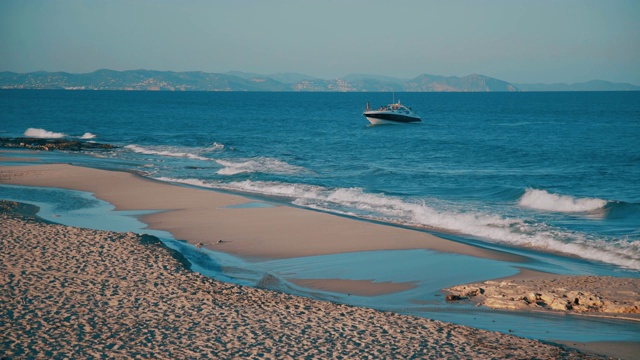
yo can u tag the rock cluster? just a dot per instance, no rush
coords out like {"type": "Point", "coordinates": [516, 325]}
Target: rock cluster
{"type": "Point", "coordinates": [575, 294]}
{"type": "Point", "coordinates": [76, 293]}
{"type": "Point", "coordinates": [51, 144]}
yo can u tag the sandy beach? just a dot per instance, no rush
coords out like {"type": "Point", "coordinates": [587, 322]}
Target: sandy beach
{"type": "Point", "coordinates": [126, 283]}
{"type": "Point", "coordinates": [205, 217]}
{"type": "Point", "coordinates": [77, 293]}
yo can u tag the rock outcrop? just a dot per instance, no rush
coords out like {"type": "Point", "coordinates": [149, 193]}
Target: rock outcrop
{"type": "Point", "coordinates": [51, 144]}
{"type": "Point", "coordinates": [591, 295]}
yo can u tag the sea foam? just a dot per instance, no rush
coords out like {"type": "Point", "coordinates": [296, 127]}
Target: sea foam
{"type": "Point", "coordinates": [486, 226]}
{"type": "Point", "coordinates": [165, 151]}
{"type": "Point", "coordinates": [255, 165]}
{"type": "Point", "coordinates": [543, 200]}
{"type": "Point", "coordinates": [43, 134]}
{"type": "Point", "coordinates": [88, 135]}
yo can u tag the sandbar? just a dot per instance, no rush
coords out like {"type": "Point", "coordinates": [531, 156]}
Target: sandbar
{"type": "Point", "coordinates": [77, 293]}
{"type": "Point", "coordinates": [209, 218]}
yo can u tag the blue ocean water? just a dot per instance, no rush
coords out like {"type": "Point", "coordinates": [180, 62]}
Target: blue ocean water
{"type": "Point", "coordinates": [550, 176]}
{"type": "Point", "coordinates": [553, 172]}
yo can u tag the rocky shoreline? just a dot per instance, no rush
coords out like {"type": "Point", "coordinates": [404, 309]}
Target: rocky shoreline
{"type": "Point", "coordinates": [78, 293]}
{"type": "Point", "coordinates": [51, 144]}
{"type": "Point", "coordinates": [584, 295]}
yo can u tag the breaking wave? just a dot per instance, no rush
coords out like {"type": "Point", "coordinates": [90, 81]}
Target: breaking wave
{"type": "Point", "coordinates": [43, 134]}
{"type": "Point", "coordinates": [88, 135]}
{"type": "Point", "coordinates": [263, 165]}
{"type": "Point", "coordinates": [217, 146]}
{"type": "Point", "coordinates": [165, 151]}
{"type": "Point", "coordinates": [442, 217]}
{"type": "Point", "coordinates": [194, 182]}
{"type": "Point", "coordinates": [255, 165]}
{"type": "Point", "coordinates": [543, 200]}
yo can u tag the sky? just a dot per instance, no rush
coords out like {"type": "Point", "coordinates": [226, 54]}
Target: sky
{"type": "Point", "coordinates": [541, 41]}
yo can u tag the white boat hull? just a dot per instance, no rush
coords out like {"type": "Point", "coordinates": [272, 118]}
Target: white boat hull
{"type": "Point", "coordinates": [376, 121]}
{"type": "Point", "coordinates": [391, 114]}
{"type": "Point", "coordinates": [377, 117]}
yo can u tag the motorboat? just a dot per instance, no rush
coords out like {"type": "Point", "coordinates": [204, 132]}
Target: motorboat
{"type": "Point", "coordinates": [395, 113]}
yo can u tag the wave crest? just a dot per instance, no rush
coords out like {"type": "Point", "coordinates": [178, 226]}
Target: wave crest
{"type": "Point", "coordinates": [43, 134]}
{"type": "Point", "coordinates": [259, 164]}
{"type": "Point", "coordinates": [165, 151]}
{"type": "Point", "coordinates": [543, 200]}
{"type": "Point", "coordinates": [447, 218]}
{"type": "Point", "coordinates": [88, 135]}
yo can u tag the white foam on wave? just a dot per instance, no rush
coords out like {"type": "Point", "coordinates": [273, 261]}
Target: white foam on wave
{"type": "Point", "coordinates": [88, 135]}
{"type": "Point", "coordinates": [194, 182]}
{"type": "Point", "coordinates": [43, 134]}
{"type": "Point", "coordinates": [543, 200]}
{"type": "Point", "coordinates": [263, 165]}
{"type": "Point", "coordinates": [165, 151]}
{"type": "Point", "coordinates": [254, 165]}
{"type": "Point", "coordinates": [217, 146]}
{"type": "Point", "coordinates": [490, 227]}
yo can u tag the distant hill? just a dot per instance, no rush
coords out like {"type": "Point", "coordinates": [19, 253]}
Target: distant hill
{"type": "Point", "coordinates": [594, 85]}
{"type": "Point", "coordinates": [470, 83]}
{"type": "Point", "coordinates": [137, 80]}
{"type": "Point", "coordinates": [285, 78]}
{"type": "Point", "coordinates": [375, 82]}
{"type": "Point", "coordinates": [241, 81]}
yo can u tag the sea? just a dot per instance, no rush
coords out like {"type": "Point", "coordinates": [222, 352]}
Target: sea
{"type": "Point", "coordinates": [551, 175]}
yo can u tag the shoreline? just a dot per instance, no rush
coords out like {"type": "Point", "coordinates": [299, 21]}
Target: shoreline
{"type": "Point", "coordinates": [80, 293]}
{"type": "Point", "coordinates": [589, 296]}
{"type": "Point", "coordinates": [203, 217]}
{"type": "Point", "coordinates": [107, 182]}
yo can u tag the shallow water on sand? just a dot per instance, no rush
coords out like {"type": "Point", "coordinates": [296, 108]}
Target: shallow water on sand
{"type": "Point", "coordinates": [429, 271]}
{"type": "Point", "coordinates": [550, 171]}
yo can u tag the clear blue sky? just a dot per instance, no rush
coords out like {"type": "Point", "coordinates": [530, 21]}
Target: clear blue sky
{"type": "Point", "coordinates": [517, 41]}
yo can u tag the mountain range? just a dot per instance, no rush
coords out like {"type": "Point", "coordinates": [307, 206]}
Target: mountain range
{"type": "Point", "coordinates": [241, 81]}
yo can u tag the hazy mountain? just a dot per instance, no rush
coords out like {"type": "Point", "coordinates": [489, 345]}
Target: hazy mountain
{"type": "Point", "coordinates": [285, 78]}
{"type": "Point", "coordinates": [138, 80]}
{"type": "Point", "coordinates": [244, 75]}
{"type": "Point", "coordinates": [469, 83]}
{"type": "Point", "coordinates": [241, 81]}
{"type": "Point", "coordinates": [375, 82]}
{"type": "Point", "coordinates": [291, 78]}
{"type": "Point", "coordinates": [594, 85]}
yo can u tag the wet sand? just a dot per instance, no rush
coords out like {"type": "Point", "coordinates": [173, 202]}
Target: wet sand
{"type": "Point", "coordinates": [7, 156]}
{"type": "Point", "coordinates": [77, 293]}
{"type": "Point", "coordinates": [205, 217]}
